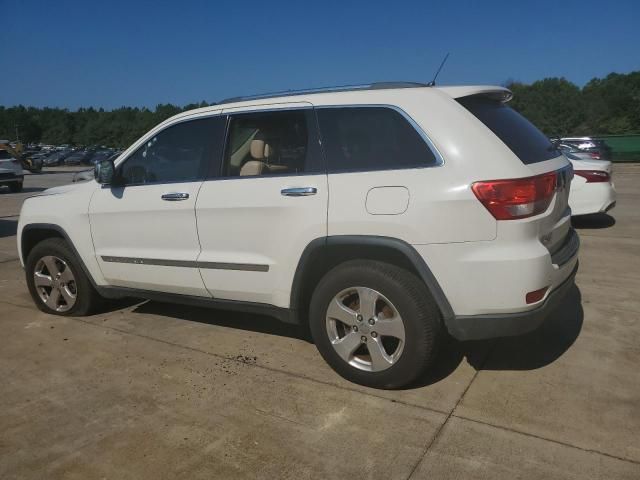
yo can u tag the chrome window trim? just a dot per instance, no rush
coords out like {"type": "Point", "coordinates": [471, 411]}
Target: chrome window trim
{"type": "Point", "coordinates": [231, 111]}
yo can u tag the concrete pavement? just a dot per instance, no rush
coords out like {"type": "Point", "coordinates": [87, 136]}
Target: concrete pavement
{"type": "Point", "coordinates": [148, 390]}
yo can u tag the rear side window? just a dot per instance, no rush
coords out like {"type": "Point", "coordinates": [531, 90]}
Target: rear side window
{"type": "Point", "coordinates": [371, 138]}
{"type": "Point", "coordinates": [523, 138]}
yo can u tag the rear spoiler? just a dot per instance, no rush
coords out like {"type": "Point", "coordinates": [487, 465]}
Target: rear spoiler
{"type": "Point", "coordinates": [500, 94]}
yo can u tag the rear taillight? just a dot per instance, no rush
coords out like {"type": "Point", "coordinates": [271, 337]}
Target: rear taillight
{"type": "Point", "coordinates": [593, 176]}
{"type": "Point", "coordinates": [595, 156]}
{"type": "Point", "coordinates": [517, 198]}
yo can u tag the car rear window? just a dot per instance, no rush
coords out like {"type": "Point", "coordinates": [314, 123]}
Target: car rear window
{"type": "Point", "coordinates": [4, 155]}
{"type": "Point", "coordinates": [523, 138]}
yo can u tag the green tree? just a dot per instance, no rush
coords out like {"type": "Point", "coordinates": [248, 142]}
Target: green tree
{"type": "Point", "coordinates": [554, 105]}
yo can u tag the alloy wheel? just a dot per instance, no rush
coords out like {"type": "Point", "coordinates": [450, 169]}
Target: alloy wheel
{"type": "Point", "coordinates": [55, 283]}
{"type": "Point", "coordinates": [365, 329]}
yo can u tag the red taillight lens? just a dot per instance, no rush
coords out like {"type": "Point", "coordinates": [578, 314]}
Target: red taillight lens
{"type": "Point", "coordinates": [593, 176]}
{"type": "Point", "coordinates": [517, 198]}
{"type": "Point", "coordinates": [595, 156]}
{"type": "Point", "coordinates": [536, 295]}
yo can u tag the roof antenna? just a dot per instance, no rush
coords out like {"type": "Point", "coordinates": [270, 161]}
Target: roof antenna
{"type": "Point", "coordinates": [432, 83]}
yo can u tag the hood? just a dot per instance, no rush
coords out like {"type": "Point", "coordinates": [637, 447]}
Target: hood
{"type": "Point", "coordinates": [62, 189]}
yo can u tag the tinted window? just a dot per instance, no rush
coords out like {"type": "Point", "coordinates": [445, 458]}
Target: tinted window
{"type": "Point", "coordinates": [371, 138]}
{"type": "Point", "coordinates": [270, 143]}
{"type": "Point", "coordinates": [181, 153]}
{"type": "Point", "coordinates": [528, 143]}
{"type": "Point", "coordinates": [4, 155]}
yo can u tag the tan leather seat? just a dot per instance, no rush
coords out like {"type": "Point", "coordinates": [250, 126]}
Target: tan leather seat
{"type": "Point", "coordinates": [260, 151]}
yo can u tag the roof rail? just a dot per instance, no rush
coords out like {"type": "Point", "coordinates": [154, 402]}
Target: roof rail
{"type": "Point", "coordinates": [338, 88]}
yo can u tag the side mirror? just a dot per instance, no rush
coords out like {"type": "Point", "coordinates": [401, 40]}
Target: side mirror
{"type": "Point", "coordinates": [104, 172]}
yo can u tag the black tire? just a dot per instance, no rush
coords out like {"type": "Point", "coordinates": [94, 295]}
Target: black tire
{"type": "Point", "coordinates": [420, 315]}
{"type": "Point", "coordinates": [15, 187]}
{"type": "Point", "coordinates": [87, 298]}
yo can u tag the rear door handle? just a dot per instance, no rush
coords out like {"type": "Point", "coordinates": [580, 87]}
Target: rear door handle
{"type": "Point", "coordinates": [299, 191]}
{"type": "Point", "coordinates": [175, 196]}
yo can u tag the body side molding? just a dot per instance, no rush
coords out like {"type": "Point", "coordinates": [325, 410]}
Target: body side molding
{"type": "Point", "coordinates": [247, 267]}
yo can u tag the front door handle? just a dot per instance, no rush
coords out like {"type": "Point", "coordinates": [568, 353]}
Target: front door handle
{"type": "Point", "coordinates": [299, 191]}
{"type": "Point", "coordinates": [175, 196]}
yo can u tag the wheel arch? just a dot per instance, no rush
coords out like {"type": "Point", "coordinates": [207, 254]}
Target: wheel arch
{"type": "Point", "coordinates": [34, 233]}
{"type": "Point", "coordinates": [322, 254]}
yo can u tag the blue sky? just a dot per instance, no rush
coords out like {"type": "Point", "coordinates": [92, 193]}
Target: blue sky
{"type": "Point", "coordinates": [113, 53]}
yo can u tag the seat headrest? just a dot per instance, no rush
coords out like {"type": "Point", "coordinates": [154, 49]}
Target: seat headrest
{"type": "Point", "coordinates": [260, 149]}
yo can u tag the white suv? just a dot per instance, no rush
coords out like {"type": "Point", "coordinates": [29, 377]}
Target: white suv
{"type": "Point", "coordinates": [382, 217]}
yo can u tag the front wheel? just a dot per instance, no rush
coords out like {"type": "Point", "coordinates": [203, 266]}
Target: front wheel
{"type": "Point", "coordinates": [375, 324]}
{"type": "Point", "coordinates": [56, 281]}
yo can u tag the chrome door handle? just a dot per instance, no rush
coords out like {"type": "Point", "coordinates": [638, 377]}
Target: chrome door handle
{"type": "Point", "coordinates": [175, 196]}
{"type": "Point", "coordinates": [299, 191]}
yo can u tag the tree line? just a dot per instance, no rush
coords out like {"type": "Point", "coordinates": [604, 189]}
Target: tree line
{"type": "Point", "coordinates": [609, 105]}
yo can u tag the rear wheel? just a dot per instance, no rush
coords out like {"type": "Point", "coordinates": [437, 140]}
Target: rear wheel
{"type": "Point", "coordinates": [15, 187]}
{"type": "Point", "coordinates": [56, 281]}
{"type": "Point", "coordinates": [375, 323]}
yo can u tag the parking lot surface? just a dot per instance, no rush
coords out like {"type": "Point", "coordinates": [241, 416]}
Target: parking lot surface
{"type": "Point", "coordinates": [148, 390]}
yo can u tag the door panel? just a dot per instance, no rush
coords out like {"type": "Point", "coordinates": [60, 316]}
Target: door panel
{"type": "Point", "coordinates": [142, 241]}
{"type": "Point", "coordinates": [251, 232]}
{"type": "Point", "coordinates": [144, 233]}
{"type": "Point", "coordinates": [259, 233]}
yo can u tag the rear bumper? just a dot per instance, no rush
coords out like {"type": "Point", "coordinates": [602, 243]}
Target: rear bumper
{"type": "Point", "coordinates": [478, 327]}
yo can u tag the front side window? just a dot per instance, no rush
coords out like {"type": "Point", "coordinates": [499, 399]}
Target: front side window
{"type": "Point", "coordinates": [180, 153]}
{"type": "Point", "coordinates": [270, 143]}
{"type": "Point", "coordinates": [371, 138]}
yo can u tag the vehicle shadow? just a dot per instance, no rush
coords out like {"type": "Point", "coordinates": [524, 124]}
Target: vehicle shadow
{"type": "Point", "coordinates": [45, 171]}
{"type": "Point", "coordinates": [526, 352]}
{"type": "Point", "coordinates": [593, 221]}
{"type": "Point", "coordinates": [33, 189]}
{"type": "Point", "coordinates": [8, 228]}
{"type": "Point", "coordinates": [226, 318]}
{"type": "Point", "coordinates": [6, 191]}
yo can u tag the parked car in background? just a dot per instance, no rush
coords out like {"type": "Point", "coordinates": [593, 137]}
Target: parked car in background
{"type": "Point", "coordinates": [380, 238]}
{"type": "Point", "coordinates": [34, 161]}
{"type": "Point", "coordinates": [78, 157]}
{"type": "Point", "coordinates": [598, 148]}
{"type": "Point", "coordinates": [592, 189]}
{"type": "Point", "coordinates": [56, 157]}
{"type": "Point", "coordinates": [11, 174]}
{"type": "Point", "coordinates": [101, 155]}
{"type": "Point", "coordinates": [576, 152]}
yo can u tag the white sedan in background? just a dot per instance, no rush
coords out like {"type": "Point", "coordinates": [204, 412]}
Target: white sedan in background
{"type": "Point", "coordinates": [592, 190]}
